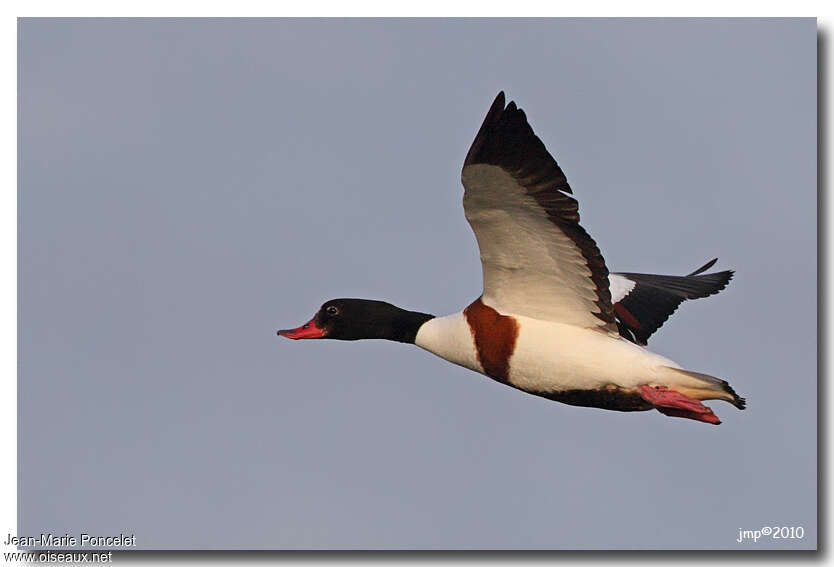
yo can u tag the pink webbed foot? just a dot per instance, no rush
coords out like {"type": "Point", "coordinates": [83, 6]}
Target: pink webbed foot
{"type": "Point", "coordinates": [675, 404]}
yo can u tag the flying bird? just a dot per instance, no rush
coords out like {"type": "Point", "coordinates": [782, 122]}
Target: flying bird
{"type": "Point", "coordinates": [551, 321]}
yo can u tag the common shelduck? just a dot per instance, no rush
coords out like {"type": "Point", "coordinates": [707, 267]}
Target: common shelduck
{"type": "Point", "coordinates": [551, 320]}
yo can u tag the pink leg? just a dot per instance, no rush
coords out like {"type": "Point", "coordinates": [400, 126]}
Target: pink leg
{"type": "Point", "coordinates": [675, 404]}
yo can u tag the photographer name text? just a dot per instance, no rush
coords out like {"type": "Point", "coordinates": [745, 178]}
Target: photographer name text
{"type": "Point", "coordinates": [67, 540]}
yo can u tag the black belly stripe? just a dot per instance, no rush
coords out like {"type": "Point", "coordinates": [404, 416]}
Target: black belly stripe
{"type": "Point", "coordinates": [610, 398]}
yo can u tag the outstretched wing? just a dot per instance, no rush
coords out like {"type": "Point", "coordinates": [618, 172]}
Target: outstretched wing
{"type": "Point", "coordinates": [537, 260]}
{"type": "Point", "coordinates": [643, 302]}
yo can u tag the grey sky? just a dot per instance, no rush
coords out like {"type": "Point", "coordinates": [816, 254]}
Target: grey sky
{"type": "Point", "coordinates": [188, 187]}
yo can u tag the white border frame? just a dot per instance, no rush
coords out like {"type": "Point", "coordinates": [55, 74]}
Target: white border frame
{"type": "Point", "coordinates": [153, 8]}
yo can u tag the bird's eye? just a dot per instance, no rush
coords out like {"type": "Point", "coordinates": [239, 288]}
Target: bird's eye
{"type": "Point", "coordinates": [332, 310]}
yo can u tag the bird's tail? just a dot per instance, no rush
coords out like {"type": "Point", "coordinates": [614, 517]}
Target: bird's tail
{"type": "Point", "coordinates": [705, 387]}
{"type": "Point", "coordinates": [680, 392]}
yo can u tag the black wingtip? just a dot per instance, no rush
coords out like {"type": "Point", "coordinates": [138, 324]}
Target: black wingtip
{"type": "Point", "coordinates": [497, 105]}
{"type": "Point", "coordinates": [493, 115]}
{"type": "Point", "coordinates": [704, 268]}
